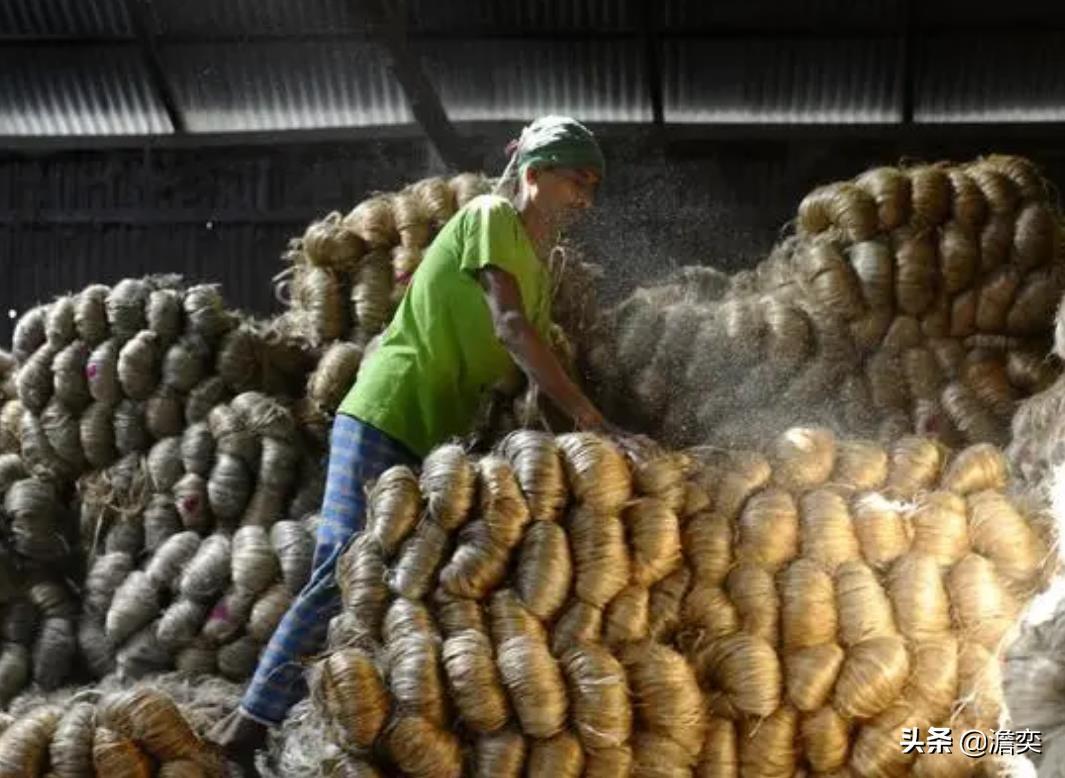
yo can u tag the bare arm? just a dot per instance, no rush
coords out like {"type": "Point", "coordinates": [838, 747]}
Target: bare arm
{"type": "Point", "coordinates": [530, 352]}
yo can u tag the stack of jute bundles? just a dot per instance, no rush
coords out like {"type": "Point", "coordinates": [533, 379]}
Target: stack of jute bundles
{"type": "Point", "coordinates": [90, 370]}
{"type": "Point", "coordinates": [348, 272]}
{"type": "Point", "coordinates": [38, 627]}
{"type": "Point", "coordinates": [150, 410]}
{"type": "Point", "coordinates": [917, 299]}
{"type": "Point", "coordinates": [106, 372]}
{"type": "Point", "coordinates": [8, 368]}
{"type": "Point", "coordinates": [1033, 679]}
{"type": "Point", "coordinates": [1034, 676]}
{"type": "Point", "coordinates": [242, 465]}
{"type": "Point", "coordinates": [38, 604]}
{"type": "Point", "coordinates": [554, 609]}
{"type": "Point", "coordinates": [1036, 447]}
{"type": "Point", "coordinates": [202, 605]}
{"type": "Point", "coordinates": [134, 733]}
{"type": "Point", "coordinates": [222, 543]}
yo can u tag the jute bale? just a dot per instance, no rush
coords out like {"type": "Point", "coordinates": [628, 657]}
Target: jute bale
{"type": "Point", "coordinates": [964, 256]}
{"type": "Point", "coordinates": [824, 638]}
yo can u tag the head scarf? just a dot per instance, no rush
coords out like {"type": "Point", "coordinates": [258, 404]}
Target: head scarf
{"type": "Point", "coordinates": [551, 141]}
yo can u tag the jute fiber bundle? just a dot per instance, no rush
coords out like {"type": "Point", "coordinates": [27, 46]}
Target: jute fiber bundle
{"type": "Point", "coordinates": [206, 604]}
{"type": "Point", "coordinates": [205, 516]}
{"type": "Point", "coordinates": [914, 299]}
{"type": "Point", "coordinates": [112, 373]}
{"type": "Point", "coordinates": [347, 273]}
{"type": "Point", "coordinates": [8, 369]}
{"type": "Point", "coordinates": [683, 613]}
{"type": "Point", "coordinates": [244, 465]}
{"type": "Point", "coordinates": [1035, 448]}
{"type": "Point", "coordinates": [141, 731]}
{"type": "Point", "coordinates": [38, 644]}
{"type": "Point", "coordinates": [35, 520]}
{"type": "Point", "coordinates": [1032, 672]}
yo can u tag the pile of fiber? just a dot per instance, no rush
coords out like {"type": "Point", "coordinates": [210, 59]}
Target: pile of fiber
{"type": "Point", "coordinates": [202, 605]}
{"type": "Point", "coordinates": [137, 732]}
{"type": "Point", "coordinates": [1034, 671]}
{"type": "Point", "coordinates": [95, 376]}
{"type": "Point", "coordinates": [106, 372]}
{"type": "Point", "coordinates": [8, 368]}
{"type": "Point", "coordinates": [348, 272]}
{"type": "Point", "coordinates": [36, 528]}
{"type": "Point", "coordinates": [38, 608]}
{"type": "Point", "coordinates": [1033, 679]}
{"type": "Point", "coordinates": [151, 412]}
{"type": "Point", "coordinates": [555, 609]}
{"type": "Point", "coordinates": [917, 299]}
{"type": "Point", "coordinates": [246, 463]}
{"type": "Point", "coordinates": [38, 634]}
{"type": "Point", "coordinates": [1037, 445]}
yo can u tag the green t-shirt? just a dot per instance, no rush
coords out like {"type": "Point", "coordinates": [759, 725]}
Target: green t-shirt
{"type": "Point", "coordinates": [440, 356]}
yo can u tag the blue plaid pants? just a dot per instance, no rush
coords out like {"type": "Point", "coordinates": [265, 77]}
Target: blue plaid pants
{"type": "Point", "coordinates": [358, 453]}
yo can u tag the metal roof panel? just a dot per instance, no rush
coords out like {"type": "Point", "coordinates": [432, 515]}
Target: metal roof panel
{"type": "Point", "coordinates": [598, 81]}
{"type": "Point", "coordinates": [282, 85]}
{"type": "Point", "coordinates": [781, 81]}
{"type": "Point", "coordinates": [990, 78]}
{"type": "Point", "coordinates": [77, 91]}
{"type": "Point", "coordinates": [64, 18]}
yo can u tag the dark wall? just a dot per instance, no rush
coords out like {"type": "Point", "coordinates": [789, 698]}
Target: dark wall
{"type": "Point", "coordinates": [221, 215]}
{"type": "Point", "coordinates": [225, 214]}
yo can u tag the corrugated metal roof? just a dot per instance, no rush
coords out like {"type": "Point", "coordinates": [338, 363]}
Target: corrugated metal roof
{"type": "Point", "coordinates": [273, 17]}
{"type": "Point", "coordinates": [984, 78]}
{"type": "Point", "coordinates": [281, 86]}
{"type": "Point", "coordinates": [482, 80]}
{"type": "Point", "coordinates": [256, 17]}
{"type": "Point", "coordinates": [761, 15]}
{"type": "Point", "coordinates": [480, 16]}
{"type": "Point", "coordinates": [781, 81]}
{"type": "Point", "coordinates": [64, 18]}
{"type": "Point", "coordinates": [77, 91]}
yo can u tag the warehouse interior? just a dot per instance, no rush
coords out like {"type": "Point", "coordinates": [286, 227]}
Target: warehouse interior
{"type": "Point", "coordinates": [816, 300]}
{"type": "Point", "coordinates": [203, 135]}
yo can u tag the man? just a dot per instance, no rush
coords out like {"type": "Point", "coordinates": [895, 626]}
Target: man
{"type": "Point", "coordinates": [477, 309]}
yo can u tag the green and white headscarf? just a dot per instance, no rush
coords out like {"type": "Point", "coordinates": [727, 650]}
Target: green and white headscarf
{"type": "Point", "coordinates": [551, 141]}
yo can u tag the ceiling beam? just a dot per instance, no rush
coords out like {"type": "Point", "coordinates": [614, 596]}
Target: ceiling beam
{"type": "Point", "coordinates": [390, 20]}
{"type": "Point", "coordinates": [153, 64]}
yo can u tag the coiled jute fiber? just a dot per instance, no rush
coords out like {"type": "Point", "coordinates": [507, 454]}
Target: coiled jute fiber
{"type": "Point", "coordinates": [206, 605]}
{"type": "Point", "coordinates": [140, 731]}
{"type": "Point", "coordinates": [724, 613]}
{"type": "Point", "coordinates": [1035, 448]}
{"type": "Point", "coordinates": [346, 274]}
{"type": "Point", "coordinates": [909, 300]}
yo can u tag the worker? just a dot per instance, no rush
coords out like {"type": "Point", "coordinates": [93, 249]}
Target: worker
{"type": "Point", "coordinates": [477, 310]}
